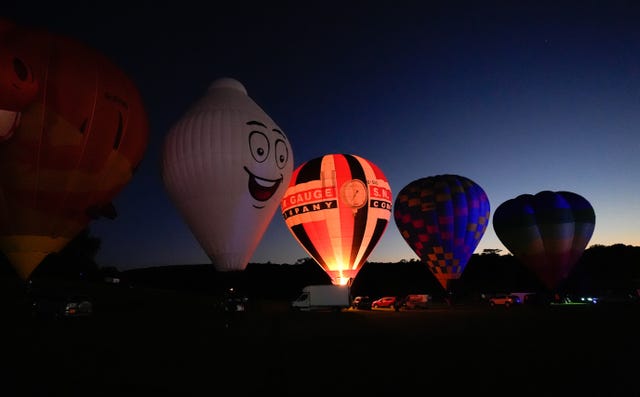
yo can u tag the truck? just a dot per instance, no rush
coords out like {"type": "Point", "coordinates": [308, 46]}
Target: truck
{"type": "Point", "coordinates": [323, 297]}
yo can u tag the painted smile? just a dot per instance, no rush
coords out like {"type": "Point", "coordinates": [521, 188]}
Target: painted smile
{"type": "Point", "coordinates": [262, 189]}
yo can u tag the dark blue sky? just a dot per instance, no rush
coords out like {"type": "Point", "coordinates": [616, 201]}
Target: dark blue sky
{"type": "Point", "coordinates": [518, 96]}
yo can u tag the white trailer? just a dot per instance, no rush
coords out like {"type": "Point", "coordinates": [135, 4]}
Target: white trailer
{"type": "Point", "coordinates": [323, 297]}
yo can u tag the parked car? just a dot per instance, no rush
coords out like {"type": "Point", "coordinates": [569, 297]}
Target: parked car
{"type": "Point", "coordinates": [384, 302]}
{"type": "Point", "coordinates": [574, 300]}
{"type": "Point", "coordinates": [502, 300]}
{"type": "Point", "coordinates": [232, 301]}
{"type": "Point", "coordinates": [413, 301]}
{"type": "Point", "coordinates": [61, 307]}
{"type": "Point", "coordinates": [524, 297]}
{"type": "Point", "coordinates": [516, 299]}
{"type": "Point", "coordinates": [362, 303]}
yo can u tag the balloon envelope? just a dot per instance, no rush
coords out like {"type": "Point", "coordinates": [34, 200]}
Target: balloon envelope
{"type": "Point", "coordinates": [442, 218]}
{"type": "Point", "coordinates": [226, 165]}
{"type": "Point", "coordinates": [72, 131]}
{"type": "Point", "coordinates": [337, 207]}
{"type": "Point", "coordinates": [547, 232]}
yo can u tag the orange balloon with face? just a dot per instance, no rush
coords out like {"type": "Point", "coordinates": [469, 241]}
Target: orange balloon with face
{"type": "Point", "coordinates": [73, 129]}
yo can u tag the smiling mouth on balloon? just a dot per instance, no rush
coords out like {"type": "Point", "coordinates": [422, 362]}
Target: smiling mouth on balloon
{"type": "Point", "coordinates": [8, 123]}
{"type": "Point", "coordinates": [262, 189]}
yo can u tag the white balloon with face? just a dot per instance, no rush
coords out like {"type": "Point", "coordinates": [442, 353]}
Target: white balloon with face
{"type": "Point", "coordinates": [226, 166]}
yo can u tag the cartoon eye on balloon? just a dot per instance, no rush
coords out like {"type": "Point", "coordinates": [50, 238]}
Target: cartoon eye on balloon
{"type": "Point", "coordinates": [442, 218]}
{"type": "Point", "coordinates": [226, 166]}
{"type": "Point", "coordinates": [73, 129]}
{"type": "Point", "coordinates": [548, 232]}
{"type": "Point", "coordinates": [337, 207]}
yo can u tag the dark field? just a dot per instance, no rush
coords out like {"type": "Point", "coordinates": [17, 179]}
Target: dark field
{"type": "Point", "coordinates": [159, 343]}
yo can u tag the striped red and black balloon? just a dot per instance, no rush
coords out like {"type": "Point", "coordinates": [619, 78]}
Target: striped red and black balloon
{"type": "Point", "coordinates": [337, 207]}
{"type": "Point", "coordinates": [547, 232]}
{"type": "Point", "coordinates": [443, 219]}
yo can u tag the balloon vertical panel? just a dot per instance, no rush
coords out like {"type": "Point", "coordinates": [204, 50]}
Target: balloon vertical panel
{"type": "Point", "coordinates": [442, 218]}
{"type": "Point", "coordinates": [226, 165]}
{"type": "Point", "coordinates": [337, 207]}
{"type": "Point", "coordinates": [72, 132]}
{"type": "Point", "coordinates": [583, 222]}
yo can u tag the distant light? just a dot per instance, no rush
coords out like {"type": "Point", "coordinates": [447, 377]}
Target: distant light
{"type": "Point", "coordinates": [589, 299]}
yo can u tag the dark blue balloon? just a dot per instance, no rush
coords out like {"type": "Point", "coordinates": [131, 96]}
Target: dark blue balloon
{"type": "Point", "coordinates": [443, 219]}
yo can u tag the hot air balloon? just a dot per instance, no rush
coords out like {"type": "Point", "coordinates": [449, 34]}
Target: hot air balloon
{"type": "Point", "coordinates": [337, 207]}
{"type": "Point", "coordinates": [225, 166]}
{"type": "Point", "coordinates": [547, 232]}
{"type": "Point", "coordinates": [442, 218]}
{"type": "Point", "coordinates": [72, 131]}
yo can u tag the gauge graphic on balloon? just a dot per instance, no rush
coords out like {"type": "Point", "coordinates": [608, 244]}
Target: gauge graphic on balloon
{"type": "Point", "coordinates": [337, 207]}
{"type": "Point", "coordinates": [226, 165]}
{"type": "Point", "coordinates": [442, 218]}
{"type": "Point", "coordinates": [547, 231]}
{"type": "Point", "coordinates": [73, 130]}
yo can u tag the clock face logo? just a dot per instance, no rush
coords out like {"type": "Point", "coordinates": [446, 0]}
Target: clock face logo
{"type": "Point", "coordinates": [354, 193]}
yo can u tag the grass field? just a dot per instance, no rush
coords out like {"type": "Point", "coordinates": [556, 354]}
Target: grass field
{"type": "Point", "coordinates": [162, 343]}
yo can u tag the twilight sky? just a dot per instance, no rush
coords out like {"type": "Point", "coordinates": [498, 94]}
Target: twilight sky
{"type": "Point", "coordinates": [520, 97]}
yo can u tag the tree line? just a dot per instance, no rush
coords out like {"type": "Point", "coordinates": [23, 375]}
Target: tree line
{"type": "Point", "coordinates": [600, 270]}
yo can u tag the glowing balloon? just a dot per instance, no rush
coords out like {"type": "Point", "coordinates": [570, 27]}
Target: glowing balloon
{"type": "Point", "coordinates": [547, 232]}
{"type": "Point", "coordinates": [72, 131]}
{"type": "Point", "coordinates": [226, 165]}
{"type": "Point", "coordinates": [442, 218]}
{"type": "Point", "coordinates": [337, 207]}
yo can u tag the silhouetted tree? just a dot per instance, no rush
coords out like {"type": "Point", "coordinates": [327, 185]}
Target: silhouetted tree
{"type": "Point", "coordinates": [75, 261]}
{"type": "Point", "coordinates": [600, 268]}
{"type": "Point", "coordinates": [5, 266]}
